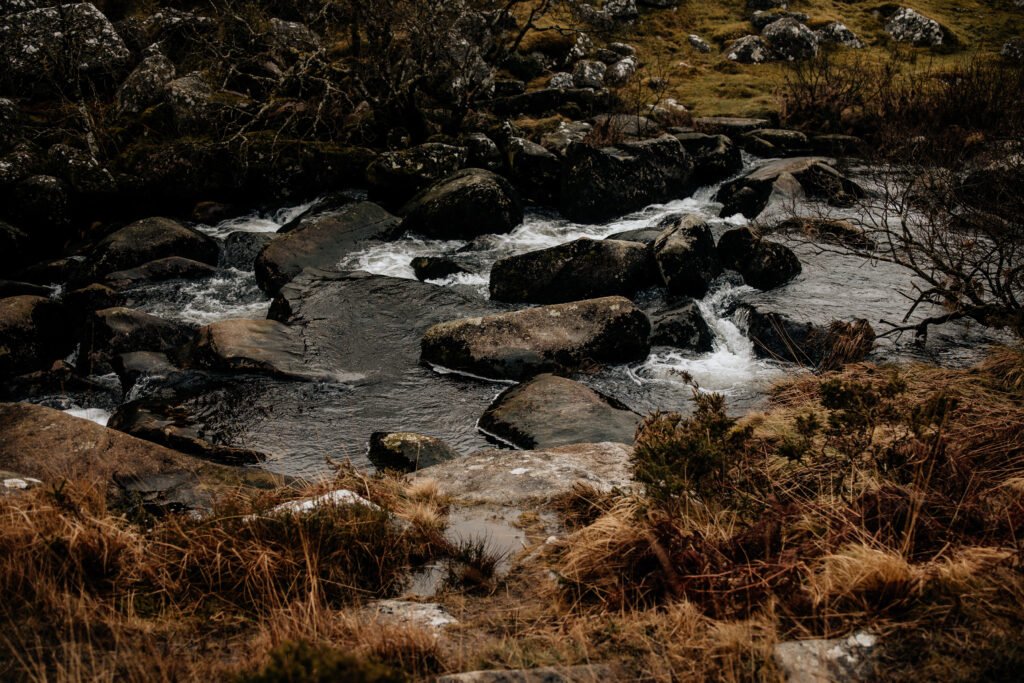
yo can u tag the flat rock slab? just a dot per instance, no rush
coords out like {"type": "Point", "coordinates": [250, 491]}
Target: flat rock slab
{"type": "Point", "coordinates": [516, 478]}
{"type": "Point", "coordinates": [51, 445]}
{"type": "Point", "coordinates": [551, 411]}
{"type": "Point", "coordinates": [558, 338]}
{"type": "Point", "coordinates": [585, 673]}
{"type": "Point", "coordinates": [427, 614]}
{"type": "Point", "coordinates": [261, 346]}
{"type": "Point", "coordinates": [831, 660]}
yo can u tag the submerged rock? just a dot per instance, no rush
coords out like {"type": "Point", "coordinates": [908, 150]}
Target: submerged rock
{"type": "Point", "coordinates": [521, 344]}
{"type": "Point", "coordinates": [581, 269]}
{"type": "Point", "coordinates": [686, 256]}
{"type": "Point", "coordinates": [407, 451]}
{"type": "Point", "coordinates": [465, 205]}
{"type": "Point", "coordinates": [549, 411]}
{"type": "Point", "coordinates": [599, 184]}
{"type": "Point", "coordinates": [322, 241]}
{"type": "Point", "coordinates": [763, 264]}
{"type": "Point", "coordinates": [504, 477]}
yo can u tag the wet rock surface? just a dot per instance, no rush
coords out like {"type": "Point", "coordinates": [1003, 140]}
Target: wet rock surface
{"type": "Point", "coordinates": [469, 203]}
{"type": "Point", "coordinates": [549, 411]}
{"type": "Point", "coordinates": [682, 327]}
{"type": "Point", "coordinates": [762, 263]}
{"type": "Point", "coordinates": [686, 256]}
{"type": "Point", "coordinates": [407, 451]}
{"type": "Point", "coordinates": [787, 178]}
{"type": "Point", "coordinates": [148, 240]}
{"type": "Point", "coordinates": [560, 337]}
{"type": "Point", "coordinates": [321, 242]}
{"type": "Point", "coordinates": [581, 269]}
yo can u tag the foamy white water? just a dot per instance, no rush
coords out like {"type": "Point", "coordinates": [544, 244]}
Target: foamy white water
{"type": "Point", "coordinates": [97, 415]}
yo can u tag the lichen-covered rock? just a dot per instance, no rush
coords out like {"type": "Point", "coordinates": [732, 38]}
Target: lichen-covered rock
{"type": "Point", "coordinates": [790, 40]}
{"type": "Point", "coordinates": [622, 10]}
{"type": "Point", "coordinates": [467, 204]}
{"type": "Point", "coordinates": [698, 43]}
{"type": "Point", "coordinates": [145, 86]}
{"type": "Point", "coordinates": [686, 256]}
{"type": "Point", "coordinates": [562, 80]}
{"type": "Point", "coordinates": [558, 338]}
{"type": "Point", "coordinates": [394, 177]}
{"type": "Point", "coordinates": [51, 47]}
{"type": "Point", "coordinates": [549, 411]}
{"type": "Point", "coordinates": [565, 134]}
{"type": "Point", "coordinates": [589, 74]}
{"type": "Point", "coordinates": [620, 72]}
{"type": "Point", "coordinates": [907, 25]}
{"type": "Point", "coordinates": [581, 269]}
{"type": "Point", "coordinates": [837, 33]}
{"type": "Point", "coordinates": [291, 36]}
{"type": "Point", "coordinates": [1013, 50]}
{"type": "Point", "coordinates": [761, 19]}
{"type": "Point", "coordinates": [196, 105]}
{"type": "Point", "coordinates": [599, 184]}
{"type": "Point", "coordinates": [749, 50]}
{"type": "Point", "coordinates": [407, 451]}
{"type": "Point", "coordinates": [85, 174]}
{"type": "Point", "coordinates": [763, 264]}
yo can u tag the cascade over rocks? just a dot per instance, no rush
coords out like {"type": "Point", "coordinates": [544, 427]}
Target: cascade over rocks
{"type": "Point", "coordinates": [470, 203]}
{"type": "Point", "coordinates": [321, 241]}
{"type": "Point", "coordinates": [581, 269]}
{"type": "Point", "coordinates": [682, 327]}
{"type": "Point", "coordinates": [763, 264]}
{"type": "Point", "coordinates": [549, 411]}
{"type": "Point", "coordinates": [599, 184]}
{"type": "Point", "coordinates": [558, 338]}
{"type": "Point", "coordinates": [751, 193]}
{"type": "Point", "coordinates": [408, 451]}
{"type": "Point", "coordinates": [686, 256]}
{"type": "Point", "coordinates": [149, 240]}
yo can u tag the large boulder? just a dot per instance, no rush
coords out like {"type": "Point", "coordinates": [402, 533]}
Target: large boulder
{"type": "Point", "coordinates": [54, 447]}
{"type": "Point", "coordinates": [686, 256]}
{"type": "Point", "coordinates": [145, 86]}
{"type": "Point", "coordinates": [763, 264]}
{"type": "Point", "coordinates": [33, 333]}
{"type": "Point", "coordinates": [170, 268]}
{"type": "Point", "coordinates": [682, 327]}
{"type": "Point", "coordinates": [535, 171]}
{"type": "Point", "coordinates": [715, 157]}
{"type": "Point", "coordinates": [776, 142]}
{"type": "Point", "coordinates": [394, 177]}
{"type": "Point", "coordinates": [51, 48]}
{"type": "Point", "coordinates": [470, 203]}
{"type": "Point", "coordinates": [790, 40]}
{"type": "Point", "coordinates": [907, 25]}
{"type": "Point", "coordinates": [550, 411]}
{"type": "Point", "coordinates": [557, 338]}
{"type": "Point", "coordinates": [148, 240]}
{"type": "Point", "coordinates": [407, 451]}
{"type": "Point", "coordinates": [814, 176]}
{"type": "Point", "coordinates": [321, 242]}
{"type": "Point", "coordinates": [581, 269]}
{"type": "Point", "coordinates": [603, 183]}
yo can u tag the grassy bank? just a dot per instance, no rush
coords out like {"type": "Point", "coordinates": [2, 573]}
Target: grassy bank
{"type": "Point", "coordinates": [877, 499]}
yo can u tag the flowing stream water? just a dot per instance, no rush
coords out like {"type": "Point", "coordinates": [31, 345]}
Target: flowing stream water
{"type": "Point", "coordinates": [302, 423]}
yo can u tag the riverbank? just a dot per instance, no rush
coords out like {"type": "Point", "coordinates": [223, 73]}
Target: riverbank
{"type": "Point", "coordinates": [879, 501]}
